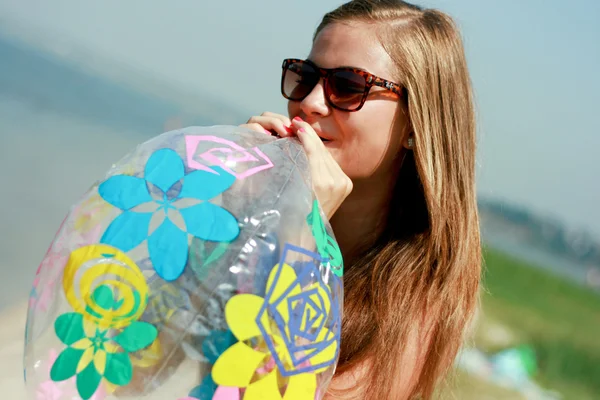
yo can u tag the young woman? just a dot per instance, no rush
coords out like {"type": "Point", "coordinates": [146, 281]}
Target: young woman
{"type": "Point", "coordinates": [383, 107]}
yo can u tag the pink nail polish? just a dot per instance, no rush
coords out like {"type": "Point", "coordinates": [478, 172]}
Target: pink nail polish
{"type": "Point", "coordinates": [297, 119]}
{"type": "Point", "coordinates": [288, 129]}
{"type": "Point", "coordinates": [301, 130]}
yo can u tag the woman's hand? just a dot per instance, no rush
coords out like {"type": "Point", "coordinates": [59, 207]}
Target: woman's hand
{"type": "Point", "coordinates": [271, 124]}
{"type": "Point", "coordinates": [330, 183]}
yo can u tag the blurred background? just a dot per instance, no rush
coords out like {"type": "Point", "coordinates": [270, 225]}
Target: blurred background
{"type": "Point", "coordinates": [81, 83]}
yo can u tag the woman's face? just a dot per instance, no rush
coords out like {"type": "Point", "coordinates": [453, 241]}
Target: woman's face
{"type": "Point", "coordinates": [365, 143]}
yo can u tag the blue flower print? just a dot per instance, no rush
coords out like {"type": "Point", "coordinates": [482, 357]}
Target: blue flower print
{"type": "Point", "coordinates": [168, 244]}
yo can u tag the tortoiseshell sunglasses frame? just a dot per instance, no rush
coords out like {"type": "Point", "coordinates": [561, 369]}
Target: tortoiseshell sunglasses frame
{"type": "Point", "coordinates": [370, 81]}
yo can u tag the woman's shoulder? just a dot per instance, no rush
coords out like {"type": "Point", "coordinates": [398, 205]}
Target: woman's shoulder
{"type": "Point", "coordinates": [349, 385]}
{"type": "Point", "coordinates": [409, 361]}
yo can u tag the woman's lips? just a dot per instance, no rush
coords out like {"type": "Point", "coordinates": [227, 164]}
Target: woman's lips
{"type": "Point", "coordinates": [324, 138]}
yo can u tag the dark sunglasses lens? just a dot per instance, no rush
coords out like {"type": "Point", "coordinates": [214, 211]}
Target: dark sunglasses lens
{"type": "Point", "coordinates": [346, 89]}
{"type": "Point", "coordinates": [299, 79]}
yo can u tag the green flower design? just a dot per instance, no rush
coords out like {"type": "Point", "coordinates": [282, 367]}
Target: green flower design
{"type": "Point", "coordinates": [326, 245]}
{"type": "Point", "coordinates": [93, 354]}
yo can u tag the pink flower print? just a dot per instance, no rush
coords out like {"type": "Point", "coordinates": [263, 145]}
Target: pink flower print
{"type": "Point", "coordinates": [50, 390]}
{"type": "Point", "coordinates": [40, 299]}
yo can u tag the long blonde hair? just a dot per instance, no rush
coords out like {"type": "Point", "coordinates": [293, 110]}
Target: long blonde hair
{"type": "Point", "coordinates": [425, 271]}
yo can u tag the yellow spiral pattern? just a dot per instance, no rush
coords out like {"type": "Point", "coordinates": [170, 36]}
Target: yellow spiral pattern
{"type": "Point", "coordinates": [108, 266]}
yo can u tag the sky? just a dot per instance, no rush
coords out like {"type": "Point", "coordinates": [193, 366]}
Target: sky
{"type": "Point", "coordinates": [534, 67]}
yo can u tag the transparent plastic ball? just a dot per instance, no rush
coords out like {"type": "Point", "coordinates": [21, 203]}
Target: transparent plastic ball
{"type": "Point", "coordinates": [199, 267]}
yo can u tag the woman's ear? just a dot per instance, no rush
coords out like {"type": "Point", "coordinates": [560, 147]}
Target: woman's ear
{"type": "Point", "coordinates": [409, 141]}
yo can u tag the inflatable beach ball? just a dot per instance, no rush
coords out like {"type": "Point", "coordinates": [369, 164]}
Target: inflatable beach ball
{"type": "Point", "coordinates": [199, 267]}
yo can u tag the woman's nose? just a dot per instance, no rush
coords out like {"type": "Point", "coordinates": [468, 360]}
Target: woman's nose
{"type": "Point", "coordinates": [316, 103]}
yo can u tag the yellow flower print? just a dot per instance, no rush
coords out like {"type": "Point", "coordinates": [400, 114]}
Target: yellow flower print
{"type": "Point", "coordinates": [284, 339]}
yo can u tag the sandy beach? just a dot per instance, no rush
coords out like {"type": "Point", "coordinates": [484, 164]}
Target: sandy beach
{"type": "Point", "coordinates": [12, 323]}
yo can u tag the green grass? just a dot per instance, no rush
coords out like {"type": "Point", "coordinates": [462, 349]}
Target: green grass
{"type": "Point", "coordinates": [561, 320]}
{"type": "Point", "coordinates": [465, 387]}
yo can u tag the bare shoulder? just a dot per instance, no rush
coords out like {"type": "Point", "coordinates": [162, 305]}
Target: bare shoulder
{"type": "Point", "coordinates": [350, 385]}
{"type": "Point", "coordinates": [410, 359]}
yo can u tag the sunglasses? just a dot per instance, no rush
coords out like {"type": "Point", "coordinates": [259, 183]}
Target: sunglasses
{"type": "Point", "coordinates": [346, 88]}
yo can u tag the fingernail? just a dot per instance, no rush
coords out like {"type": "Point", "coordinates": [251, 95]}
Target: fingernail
{"type": "Point", "coordinates": [268, 132]}
{"type": "Point", "coordinates": [288, 129]}
{"type": "Point", "coordinates": [298, 119]}
{"type": "Point", "coordinates": [301, 130]}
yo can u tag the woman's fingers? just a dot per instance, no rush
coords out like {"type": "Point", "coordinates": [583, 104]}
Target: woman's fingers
{"type": "Point", "coordinates": [310, 140]}
{"type": "Point", "coordinates": [330, 183]}
{"type": "Point", "coordinates": [273, 124]}
{"type": "Point", "coordinates": [286, 121]}
{"type": "Point", "coordinates": [256, 127]}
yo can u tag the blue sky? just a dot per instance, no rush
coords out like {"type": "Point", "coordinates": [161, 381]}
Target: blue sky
{"type": "Point", "coordinates": [534, 66]}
